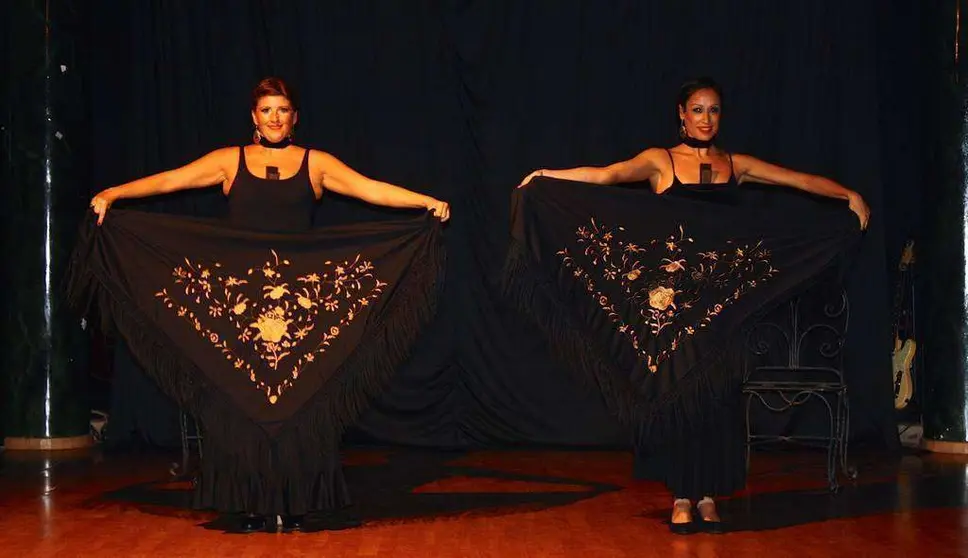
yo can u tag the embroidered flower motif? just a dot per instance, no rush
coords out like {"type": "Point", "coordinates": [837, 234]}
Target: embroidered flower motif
{"type": "Point", "coordinates": [661, 298]}
{"type": "Point", "coordinates": [276, 292]}
{"type": "Point", "coordinates": [282, 331]}
{"type": "Point", "coordinates": [674, 266]}
{"type": "Point", "coordinates": [271, 325]}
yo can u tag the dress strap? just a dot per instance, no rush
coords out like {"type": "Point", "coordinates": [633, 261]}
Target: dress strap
{"type": "Point", "coordinates": [673, 161]}
{"type": "Point", "coordinates": [675, 177]}
{"type": "Point", "coordinates": [242, 166]}
{"type": "Point", "coordinates": [304, 166]}
{"type": "Point", "coordinates": [732, 173]}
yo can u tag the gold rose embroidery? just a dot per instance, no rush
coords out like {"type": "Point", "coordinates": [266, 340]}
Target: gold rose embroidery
{"type": "Point", "coordinates": [656, 302]}
{"type": "Point", "coordinates": [661, 298]}
{"type": "Point", "coordinates": [278, 318]}
{"type": "Point", "coordinates": [272, 326]}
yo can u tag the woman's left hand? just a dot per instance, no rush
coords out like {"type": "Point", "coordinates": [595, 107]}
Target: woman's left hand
{"type": "Point", "coordinates": [860, 208]}
{"type": "Point", "coordinates": [440, 209]}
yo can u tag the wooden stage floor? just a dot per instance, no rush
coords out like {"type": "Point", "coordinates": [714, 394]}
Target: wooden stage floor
{"type": "Point", "coordinates": [492, 503]}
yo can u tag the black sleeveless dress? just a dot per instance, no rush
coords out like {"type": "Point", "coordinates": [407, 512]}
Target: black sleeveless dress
{"type": "Point", "coordinates": [284, 205]}
{"type": "Point", "coordinates": [277, 206]}
{"type": "Point", "coordinates": [710, 461]}
{"type": "Point", "coordinates": [722, 192]}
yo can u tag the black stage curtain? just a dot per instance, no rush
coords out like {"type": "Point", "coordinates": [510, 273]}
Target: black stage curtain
{"type": "Point", "coordinates": [462, 98]}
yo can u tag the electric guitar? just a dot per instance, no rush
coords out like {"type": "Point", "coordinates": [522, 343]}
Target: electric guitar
{"type": "Point", "coordinates": [904, 347]}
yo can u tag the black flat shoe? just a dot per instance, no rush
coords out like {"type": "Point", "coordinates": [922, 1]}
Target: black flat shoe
{"type": "Point", "coordinates": [687, 528]}
{"type": "Point", "coordinates": [253, 523]}
{"type": "Point", "coordinates": [682, 528]}
{"type": "Point", "coordinates": [711, 527]}
{"type": "Point", "coordinates": [292, 522]}
{"type": "Point", "coordinates": [707, 526]}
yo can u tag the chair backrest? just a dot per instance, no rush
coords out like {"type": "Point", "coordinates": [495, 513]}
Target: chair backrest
{"type": "Point", "coordinates": [801, 339]}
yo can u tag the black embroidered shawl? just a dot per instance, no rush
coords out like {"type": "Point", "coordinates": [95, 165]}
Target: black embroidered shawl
{"type": "Point", "coordinates": [642, 293]}
{"type": "Point", "coordinates": [274, 341]}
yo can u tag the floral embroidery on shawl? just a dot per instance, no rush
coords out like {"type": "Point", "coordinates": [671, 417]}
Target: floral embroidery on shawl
{"type": "Point", "coordinates": [654, 310]}
{"type": "Point", "coordinates": [284, 322]}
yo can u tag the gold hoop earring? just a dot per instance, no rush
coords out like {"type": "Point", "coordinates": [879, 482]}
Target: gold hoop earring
{"type": "Point", "coordinates": [682, 129]}
{"type": "Point", "coordinates": [256, 136]}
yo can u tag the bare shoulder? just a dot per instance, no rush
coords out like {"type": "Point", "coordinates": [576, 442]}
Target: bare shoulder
{"type": "Point", "coordinates": [319, 159]}
{"type": "Point", "coordinates": [656, 159]}
{"type": "Point", "coordinates": [224, 157]}
{"type": "Point", "coordinates": [744, 160]}
{"type": "Point", "coordinates": [742, 163]}
{"type": "Point", "coordinates": [654, 155]}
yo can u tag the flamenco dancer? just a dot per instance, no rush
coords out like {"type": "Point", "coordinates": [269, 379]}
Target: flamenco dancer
{"type": "Point", "coordinates": [272, 332]}
{"type": "Point", "coordinates": [648, 295]}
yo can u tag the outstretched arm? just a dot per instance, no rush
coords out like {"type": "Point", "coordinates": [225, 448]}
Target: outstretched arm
{"type": "Point", "coordinates": [206, 171]}
{"type": "Point", "coordinates": [751, 169]}
{"type": "Point", "coordinates": [338, 177]}
{"type": "Point", "coordinates": [641, 167]}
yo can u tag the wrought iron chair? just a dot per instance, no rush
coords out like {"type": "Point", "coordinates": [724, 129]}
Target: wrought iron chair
{"type": "Point", "coordinates": [794, 356]}
{"type": "Point", "coordinates": [190, 434]}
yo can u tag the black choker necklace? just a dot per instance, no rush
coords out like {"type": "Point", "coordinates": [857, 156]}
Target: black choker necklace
{"type": "Point", "coordinates": [697, 143]}
{"type": "Point", "coordinates": [281, 144]}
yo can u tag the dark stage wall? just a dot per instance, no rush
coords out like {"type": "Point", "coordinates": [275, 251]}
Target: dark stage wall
{"type": "Point", "coordinates": [460, 99]}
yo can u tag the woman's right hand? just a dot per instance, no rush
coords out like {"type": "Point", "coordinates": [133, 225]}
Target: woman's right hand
{"type": "Point", "coordinates": [528, 178]}
{"type": "Point", "coordinates": [101, 202]}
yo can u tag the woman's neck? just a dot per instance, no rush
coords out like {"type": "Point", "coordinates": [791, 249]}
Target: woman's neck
{"type": "Point", "coordinates": [698, 152]}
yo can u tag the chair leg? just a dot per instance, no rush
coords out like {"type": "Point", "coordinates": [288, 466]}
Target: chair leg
{"type": "Point", "coordinates": [833, 445]}
{"type": "Point", "coordinates": [183, 424]}
{"type": "Point", "coordinates": [749, 432]}
{"type": "Point", "coordinates": [198, 438]}
{"type": "Point", "coordinates": [849, 470]}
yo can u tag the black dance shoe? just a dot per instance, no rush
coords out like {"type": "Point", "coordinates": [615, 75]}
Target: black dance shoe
{"type": "Point", "coordinates": [705, 525]}
{"type": "Point", "coordinates": [292, 523]}
{"type": "Point", "coordinates": [252, 523]}
{"type": "Point", "coordinates": [686, 528]}
{"type": "Point", "coordinates": [683, 528]}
